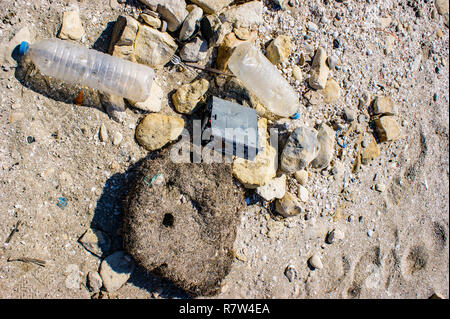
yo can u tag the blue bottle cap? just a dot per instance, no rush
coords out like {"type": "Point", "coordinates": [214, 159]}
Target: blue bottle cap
{"type": "Point", "coordinates": [295, 116]}
{"type": "Point", "coordinates": [23, 48]}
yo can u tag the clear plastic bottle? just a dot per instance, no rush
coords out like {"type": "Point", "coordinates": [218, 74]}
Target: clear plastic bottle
{"type": "Point", "coordinates": [263, 79]}
{"type": "Point", "coordinates": [76, 64]}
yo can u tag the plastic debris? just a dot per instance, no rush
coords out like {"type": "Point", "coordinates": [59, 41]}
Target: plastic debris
{"type": "Point", "coordinates": [76, 64]}
{"type": "Point", "coordinates": [236, 126]}
{"type": "Point", "coordinates": [62, 202]}
{"type": "Point", "coordinates": [149, 183]}
{"type": "Point", "coordinates": [344, 144]}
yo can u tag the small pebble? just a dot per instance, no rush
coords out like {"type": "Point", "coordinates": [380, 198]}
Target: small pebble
{"type": "Point", "coordinates": [315, 262]}
{"type": "Point", "coordinates": [380, 187]}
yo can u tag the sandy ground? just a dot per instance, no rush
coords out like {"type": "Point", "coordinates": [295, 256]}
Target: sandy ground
{"type": "Point", "coordinates": [396, 242]}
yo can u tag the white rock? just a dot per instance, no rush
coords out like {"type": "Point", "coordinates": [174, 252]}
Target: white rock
{"type": "Point", "coordinates": [117, 138]}
{"type": "Point", "coordinates": [315, 262]}
{"type": "Point", "coordinates": [245, 15]}
{"type": "Point", "coordinates": [72, 28]}
{"type": "Point", "coordinates": [301, 176]}
{"type": "Point", "coordinates": [154, 101]}
{"type": "Point", "coordinates": [276, 188]}
{"type": "Point", "coordinates": [103, 133]}
{"type": "Point", "coordinates": [303, 193]}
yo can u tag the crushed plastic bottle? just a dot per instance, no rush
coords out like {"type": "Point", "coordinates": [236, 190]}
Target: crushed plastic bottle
{"type": "Point", "coordinates": [263, 79]}
{"type": "Point", "coordinates": [76, 64]}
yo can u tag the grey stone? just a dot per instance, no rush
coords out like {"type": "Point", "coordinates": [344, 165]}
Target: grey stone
{"type": "Point", "coordinates": [174, 12]}
{"type": "Point", "coordinates": [115, 270]}
{"type": "Point", "coordinates": [189, 25]}
{"type": "Point", "coordinates": [212, 6]}
{"type": "Point", "coordinates": [326, 140]}
{"type": "Point", "coordinates": [301, 148]}
{"type": "Point", "coordinates": [194, 51]}
{"type": "Point", "coordinates": [245, 15]}
{"type": "Point", "coordinates": [94, 281]}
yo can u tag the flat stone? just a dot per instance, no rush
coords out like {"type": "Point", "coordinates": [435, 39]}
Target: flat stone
{"type": "Point", "coordinates": [319, 70]}
{"type": "Point", "coordinates": [174, 12]}
{"type": "Point", "coordinates": [195, 50]}
{"type": "Point", "coordinates": [189, 25]}
{"type": "Point", "coordinates": [245, 15]}
{"type": "Point", "coordinates": [383, 105]}
{"type": "Point", "coordinates": [288, 206]}
{"type": "Point", "coordinates": [115, 270]}
{"type": "Point", "coordinates": [301, 176]}
{"type": "Point", "coordinates": [153, 48]}
{"type": "Point", "coordinates": [212, 6]}
{"type": "Point", "coordinates": [331, 93]}
{"type": "Point", "coordinates": [156, 130]}
{"type": "Point", "coordinates": [96, 241]}
{"type": "Point", "coordinates": [279, 49]}
{"type": "Point", "coordinates": [370, 152]}
{"type": "Point", "coordinates": [72, 28]}
{"type": "Point", "coordinates": [153, 102]}
{"type": "Point", "coordinates": [387, 128]}
{"type": "Point", "coordinates": [276, 188]}
{"type": "Point", "coordinates": [188, 95]}
{"type": "Point", "coordinates": [301, 148]}
{"type": "Point", "coordinates": [263, 168]}
{"type": "Point", "coordinates": [152, 21]}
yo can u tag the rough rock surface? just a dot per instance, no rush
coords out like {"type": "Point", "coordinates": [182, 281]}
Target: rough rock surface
{"type": "Point", "coordinates": [72, 27]}
{"type": "Point", "coordinates": [115, 270]}
{"type": "Point", "coordinates": [183, 228]}
{"type": "Point", "coordinates": [188, 95]}
{"type": "Point", "coordinates": [153, 48]}
{"type": "Point", "coordinates": [325, 138]}
{"type": "Point", "coordinates": [156, 130]}
{"type": "Point", "coordinates": [319, 70]}
{"type": "Point", "coordinates": [301, 148]}
{"type": "Point", "coordinates": [264, 166]}
{"type": "Point", "coordinates": [279, 49]}
{"type": "Point", "coordinates": [212, 6]}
